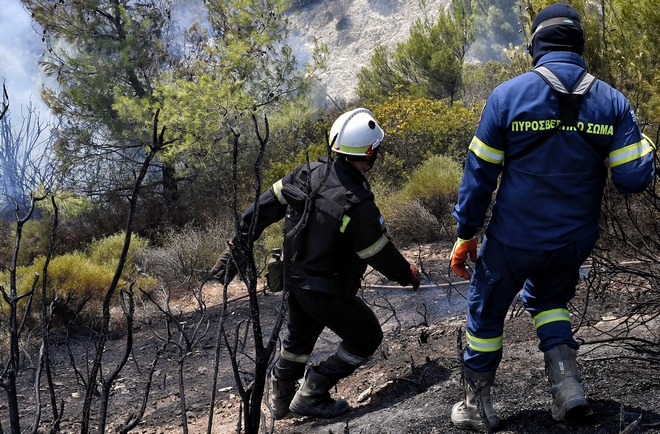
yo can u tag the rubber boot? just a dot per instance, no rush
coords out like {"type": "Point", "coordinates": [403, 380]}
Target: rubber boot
{"type": "Point", "coordinates": [284, 381]}
{"type": "Point", "coordinates": [313, 397]}
{"type": "Point", "coordinates": [283, 393]}
{"type": "Point", "coordinates": [466, 414]}
{"type": "Point", "coordinates": [568, 399]}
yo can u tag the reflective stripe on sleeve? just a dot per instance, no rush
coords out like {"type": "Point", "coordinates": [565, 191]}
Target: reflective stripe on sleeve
{"type": "Point", "coordinates": [551, 315]}
{"type": "Point", "coordinates": [489, 345]}
{"type": "Point", "coordinates": [277, 190]}
{"type": "Point", "coordinates": [300, 358]}
{"type": "Point", "coordinates": [485, 152]}
{"type": "Point", "coordinates": [374, 248]}
{"type": "Point", "coordinates": [344, 222]}
{"type": "Point", "coordinates": [630, 153]}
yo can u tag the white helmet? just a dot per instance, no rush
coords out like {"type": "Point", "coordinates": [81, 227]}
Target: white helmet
{"type": "Point", "coordinates": [356, 133]}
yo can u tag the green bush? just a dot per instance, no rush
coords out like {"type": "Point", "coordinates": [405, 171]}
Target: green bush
{"type": "Point", "coordinates": [435, 184]}
{"type": "Point", "coordinates": [106, 251]}
{"type": "Point", "coordinates": [35, 236]}
{"type": "Point", "coordinates": [79, 280]}
{"type": "Point", "coordinates": [407, 220]}
{"type": "Point", "coordinates": [418, 129]}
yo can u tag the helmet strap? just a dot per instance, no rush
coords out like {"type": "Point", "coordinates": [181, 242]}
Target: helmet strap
{"type": "Point", "coordinates": [364, 158]}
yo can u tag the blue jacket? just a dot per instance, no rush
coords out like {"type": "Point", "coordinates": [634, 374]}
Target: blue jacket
{"type": "Point", "coordinates": [552, 195]}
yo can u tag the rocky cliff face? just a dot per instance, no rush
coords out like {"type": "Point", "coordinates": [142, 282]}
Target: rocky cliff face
{"type": "Point", "coordinates": [352, 29]}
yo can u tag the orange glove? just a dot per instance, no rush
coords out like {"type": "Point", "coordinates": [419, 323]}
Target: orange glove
{"type": "Point", "coordinates": [415, 277]}
{"type": "Point", "coordinates": [463, 248]}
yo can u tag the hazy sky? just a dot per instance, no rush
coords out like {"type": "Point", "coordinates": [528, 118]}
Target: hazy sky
{"type": "Point", "coordinates": [20, 51]}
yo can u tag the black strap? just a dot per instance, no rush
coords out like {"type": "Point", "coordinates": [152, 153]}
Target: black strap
{"type": "Point", "coordinates": [534, 146]}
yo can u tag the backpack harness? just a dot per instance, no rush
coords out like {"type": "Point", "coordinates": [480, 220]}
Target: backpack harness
{"type": "Point", "coordinates": [569, 108]}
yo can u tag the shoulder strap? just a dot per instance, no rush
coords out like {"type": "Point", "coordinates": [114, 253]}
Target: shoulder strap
{"type": "Point", "coordinates": [581, 88]}
{"type": "Point", "coordinates": [569, 101]}
{"type": "Point", "coordinates": [569, 108]}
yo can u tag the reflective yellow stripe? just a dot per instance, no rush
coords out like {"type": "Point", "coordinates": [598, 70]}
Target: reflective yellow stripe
{"type": "Point", "coordinates": [344, 223]}
{"type": "Point", "coordinates": [374, 248]}
{"type": "Point", "coordinates": [630, 152]}
{"type": "Point", "coordinates": [485, 152]}
{"type": "Point", "coordinates": [351, 149]}
{"type": "Point", "coordinates": [552, 315]}
{"type": "Point", "coordinates": [277, 190]}
{"type": "Point", "coordinates": [489, 345]}
{"type": "Point", "coordinates": [350, 358]}
{"type": "Point", "coordinates": [300, 358]}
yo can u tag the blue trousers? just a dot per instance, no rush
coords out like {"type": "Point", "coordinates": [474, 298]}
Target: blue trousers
{"type": "Point", "coordinates": [547, 280]}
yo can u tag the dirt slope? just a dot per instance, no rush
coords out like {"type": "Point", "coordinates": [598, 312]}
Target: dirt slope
{"type": "Point", "coordinates": [408, 387]}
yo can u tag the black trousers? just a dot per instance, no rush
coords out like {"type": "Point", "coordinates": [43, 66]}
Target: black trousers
{"type": "Point", "coordinates": [310, 312]}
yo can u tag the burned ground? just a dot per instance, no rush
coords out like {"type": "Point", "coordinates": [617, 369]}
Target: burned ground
{"type": "Point", "coordinates": [408, 386]}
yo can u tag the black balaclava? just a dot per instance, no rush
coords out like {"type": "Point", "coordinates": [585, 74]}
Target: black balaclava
{"type": "Point", "coordinates": [556, 35]}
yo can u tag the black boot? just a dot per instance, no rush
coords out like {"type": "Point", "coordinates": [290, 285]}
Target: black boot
{"type": "Point", "coordinates": [284, 382]}
{"type": "Point", "coordinates": [283, 393]}
{"type": "Point", "coordinates": [313, 397]}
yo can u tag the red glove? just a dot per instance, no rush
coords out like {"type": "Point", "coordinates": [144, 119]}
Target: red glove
{"type": "Point", "coordinates": [415, 277]}
{"type": "Point", "coordinates": [463, 248]}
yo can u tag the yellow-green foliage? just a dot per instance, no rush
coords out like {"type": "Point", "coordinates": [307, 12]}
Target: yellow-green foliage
{"type": "Point", "coordinates": [407, 220]}
{"type": "Point", "coordinates": [435, 183]}
{"type": "Point", "coordinates": [417, 129]}
{"type": "Point", "coordinates": [35, 236]}
{"type": "Point", "coordinates": [106, 251]}
{"type": "Point", "coordinates": [72, 273]}
{"type": "Point", "coordinates": [414, 213]}
{"type": "Point", "coordinates": [79, 278]}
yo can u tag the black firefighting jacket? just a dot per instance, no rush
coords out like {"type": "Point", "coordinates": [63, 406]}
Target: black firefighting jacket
{"type": "Point", "coordinates": [343, 233]}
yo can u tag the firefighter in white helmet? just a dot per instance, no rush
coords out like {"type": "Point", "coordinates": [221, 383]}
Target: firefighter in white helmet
{"type": "Point", "coordinates": [344, 233]}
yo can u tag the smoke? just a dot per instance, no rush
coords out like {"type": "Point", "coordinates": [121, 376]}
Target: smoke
{"type": "Point", "coordinates": [21, 50]}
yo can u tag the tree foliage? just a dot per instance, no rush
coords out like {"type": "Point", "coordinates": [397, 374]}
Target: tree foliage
{"type": "Point", "coordinates": [238, 66]}
{"type": "Point", "coordinates": [118, 63]}
{"type": "Point", "coordinates": [428, 65]}
{"type": "Point", "coordinates": [417, 129]}
{"type": "Point", "coordinates": [101, 52]}
{"type": "Point", "coordinates": [497, 28]}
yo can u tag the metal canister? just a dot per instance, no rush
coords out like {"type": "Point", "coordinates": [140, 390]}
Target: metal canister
{"type": "Point", "coordinates": [275, 271]}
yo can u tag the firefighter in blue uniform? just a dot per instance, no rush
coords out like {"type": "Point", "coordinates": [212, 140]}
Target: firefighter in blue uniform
{"type": "Point", "coordinates": [326, 260]}
{"type": "Point", "coordinates": [550, 134]}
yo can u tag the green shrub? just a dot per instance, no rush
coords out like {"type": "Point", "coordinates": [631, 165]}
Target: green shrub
{"type": "Point", "coordinates": [435, 184]}
{"type": "Point", "coordinates": [35, 236]}
{"type": "Point", "coordinates": [407, 220]}
{"type": "Point", "coordinates": [79, 280]}
{"type": "Point", "coordinates": [107, 251]}
{"type": "Point", "coordinates": [418, 129]}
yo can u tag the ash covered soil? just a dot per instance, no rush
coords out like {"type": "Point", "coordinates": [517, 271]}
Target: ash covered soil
{"type": "Point", "coordinates": [408, 386]}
